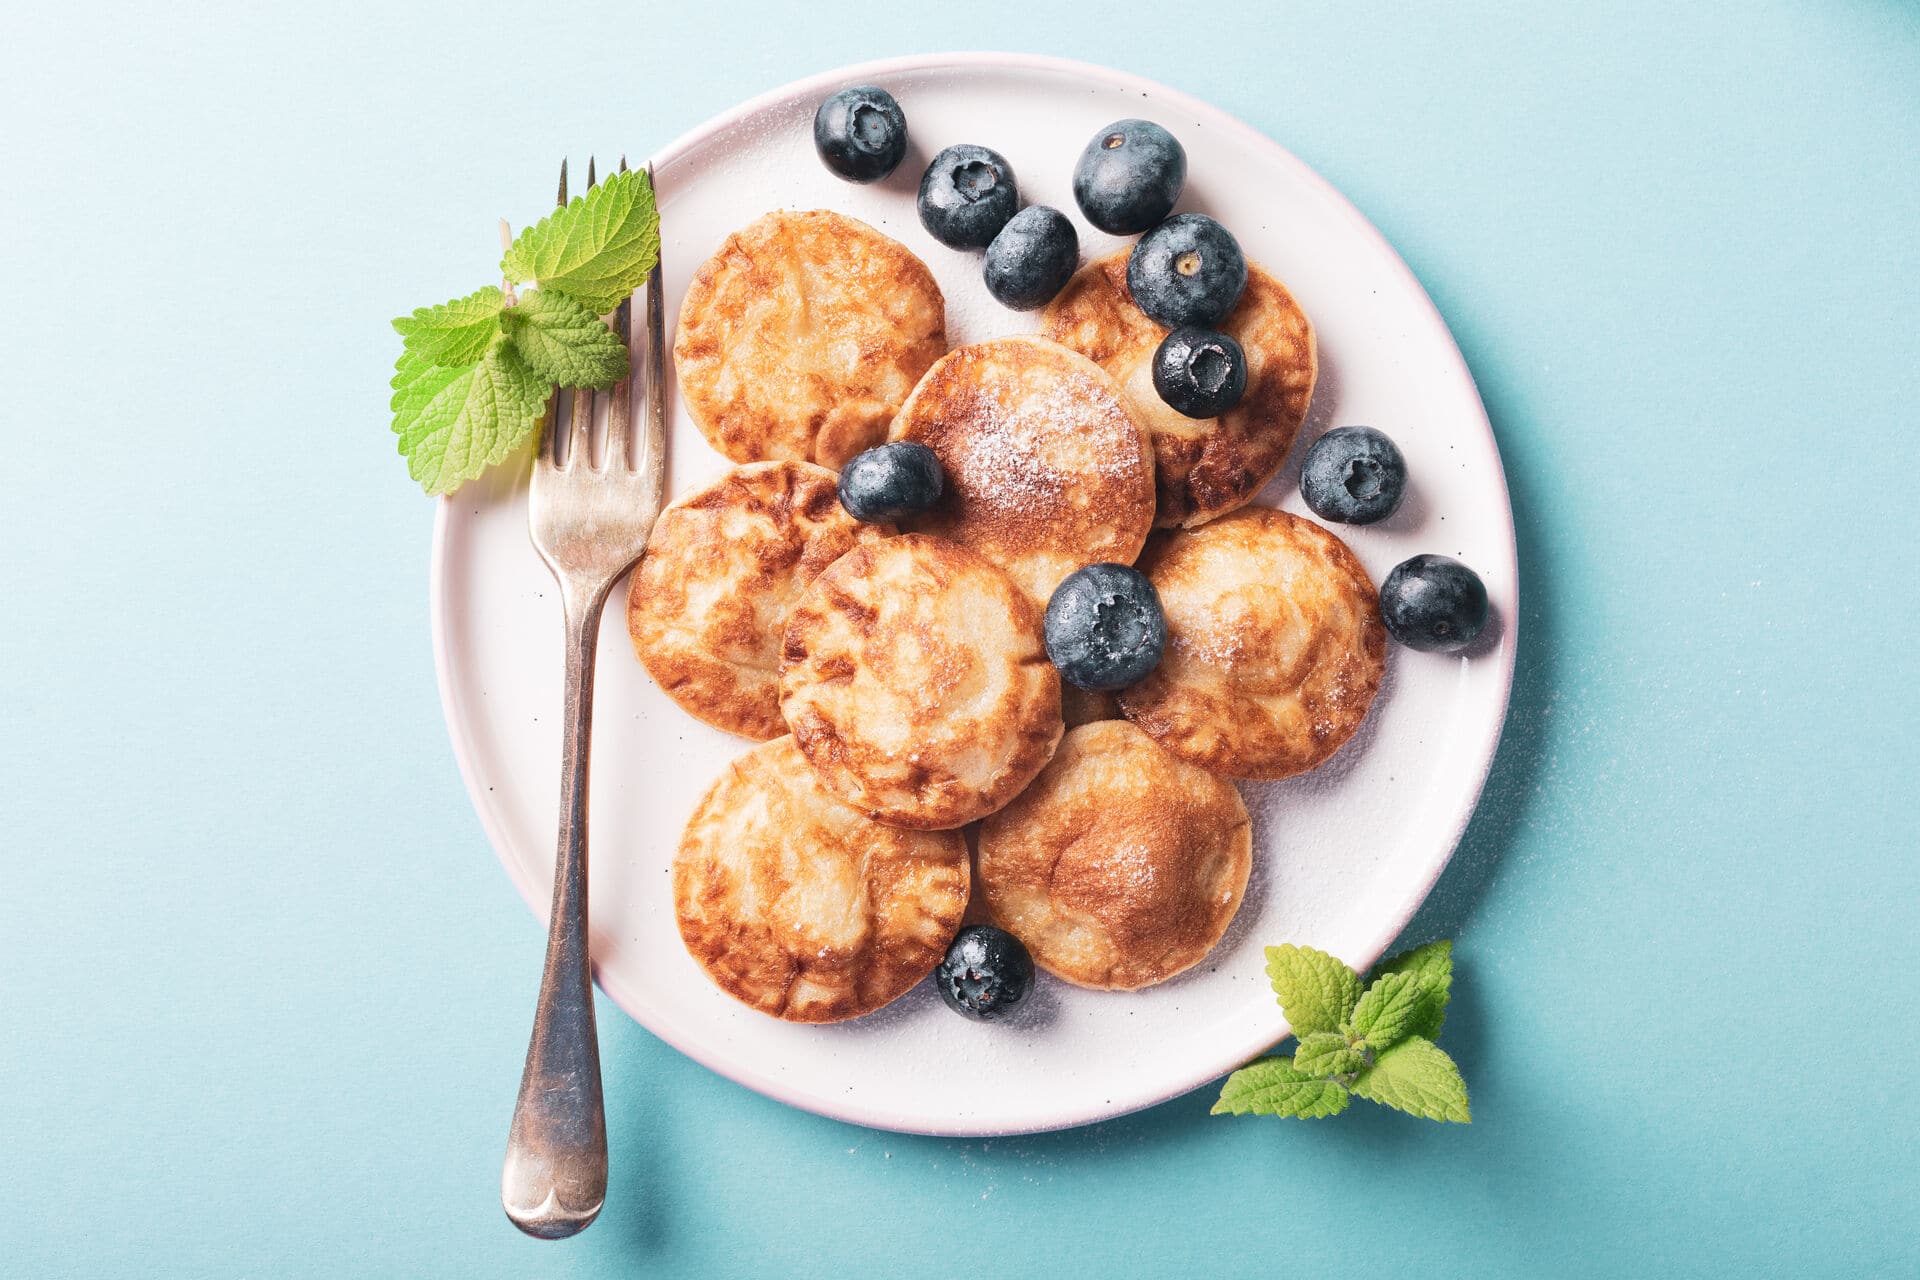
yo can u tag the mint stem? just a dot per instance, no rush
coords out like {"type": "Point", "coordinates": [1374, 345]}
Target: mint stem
{"type": "Point", "coordinates": [506, 243]}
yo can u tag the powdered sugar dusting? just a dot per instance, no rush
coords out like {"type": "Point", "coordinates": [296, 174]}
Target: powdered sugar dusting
{"type": "Point", "coordinates": [1026, 456]}
{"type": "Point", "coordinates": [1136, 869]}
{"type": "Point", "coordinates": [1002, 464]}
{"type": "Point", "coordinates": [1219, 646]}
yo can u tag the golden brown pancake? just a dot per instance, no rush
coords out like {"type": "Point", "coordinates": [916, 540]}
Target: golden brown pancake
{"type": "Point", "coordinates": [1046, 468]}
{"type": "Point", "coordinates": [916, 685]}
{"type": "Point", "coordinates": [1204, 467]}
{"type": "Point", "coordinates": [1275, 646]}
{"type": "Point", "coordinates": [802, 335]}
{"type": "Point", "coordinates": [800, 907]}
{"type": "Point", "coordinates": [707, 609]}
{"type": "Point", "coordinates": [1120, 866]}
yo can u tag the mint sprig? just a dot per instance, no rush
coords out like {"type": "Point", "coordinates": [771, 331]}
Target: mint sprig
{"type": "Point", "coordinates": [476, 373]}
{"type": "Point", "coordinates": [1373, 1041]}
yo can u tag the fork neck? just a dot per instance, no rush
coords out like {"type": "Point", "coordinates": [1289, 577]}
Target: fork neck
{"type": "Point", "coordinates": [583, 604]}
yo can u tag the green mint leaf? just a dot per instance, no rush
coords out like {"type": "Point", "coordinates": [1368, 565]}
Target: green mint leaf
{"type": "Point", "coordinates": [455, 423]}
{"type": "Point", "coordinates": [598, 249]}
{"type": "Point", "coordinates": [1274, 1087]}
{"type": "Point", "coordinates": [565, 342]}
{"type": "Point", "coordinates": [411, 367]}
{"type": "Point", "coordinates": [1434, 964]}
{"type": "Point", "coordinates": [1316, 990]}
{"type": "Point", "coordinates": [454, 333]}
{"type": "Point", "coordinates": [1417, 1077]}
{"type": "Point", "coordinates": [1327, 1053]}
{"type": "Point", "coordinates": [1383, 1013]}
{"type": "Point", "coordinates": [416, 381]}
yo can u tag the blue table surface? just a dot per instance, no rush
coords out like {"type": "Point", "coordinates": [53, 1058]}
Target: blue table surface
{"type": "Point", "coordinates": [264, 993]}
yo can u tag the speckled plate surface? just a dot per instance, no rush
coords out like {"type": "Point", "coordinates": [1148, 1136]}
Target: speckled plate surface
{"type": "Point", "coordinates": [1342, 857]}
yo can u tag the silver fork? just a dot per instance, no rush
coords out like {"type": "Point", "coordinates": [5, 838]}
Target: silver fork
{"type": "Point", "coordinates": [589, 524]}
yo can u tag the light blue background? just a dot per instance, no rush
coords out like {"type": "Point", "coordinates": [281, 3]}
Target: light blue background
{"type": "Point", "coordinates": [265, 993]}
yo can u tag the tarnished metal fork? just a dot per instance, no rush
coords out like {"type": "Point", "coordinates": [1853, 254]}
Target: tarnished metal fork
{"type": "Point", "coordinates": [589, 524]}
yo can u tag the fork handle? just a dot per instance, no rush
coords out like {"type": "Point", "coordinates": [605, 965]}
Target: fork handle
{"type": "Point", "coordinates": [555, 1176]}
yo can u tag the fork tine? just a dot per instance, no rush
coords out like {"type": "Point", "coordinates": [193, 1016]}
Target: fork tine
{"type": "Point", "coordinates": [549, 450]}
{"type": "Point", "coordinates": [592, 181]}
{"type": "Point", "coordinates": [548, 454]}
{"type": "Point", "coordinates": [589, 522]}
{"type": "Point", "coordinates": [580, 432]}
{"type": "Point", "coordinates": [656, 442]}
{"type": "Point", "coordinates": [620, 404]}
{"type": "Point", "coordinates": [620, 400]}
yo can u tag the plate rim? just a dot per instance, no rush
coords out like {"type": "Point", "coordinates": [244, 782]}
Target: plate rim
{"type": "Point", "coordinates": [881, 1116]}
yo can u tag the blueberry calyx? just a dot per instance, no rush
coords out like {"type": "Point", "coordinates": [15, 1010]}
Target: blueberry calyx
{"type": "Point", "coordinates": [974, 179]}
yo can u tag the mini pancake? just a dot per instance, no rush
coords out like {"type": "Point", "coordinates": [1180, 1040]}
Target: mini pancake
{"type": "Point", "coordinates": [708, 605]}
{"type": "Point", "coordinates": [1046, 468]}
{"type": "Point", "coordinates": [800, 907]}
{"type": "Point", "coordinates": [1204, 467]}
{"type": "Point", "coordinates": [1120, 866]}
{"type": "Point", "coordinates": [802, 335]}
{"type": "Point", "coordinates": [916, 685]}
{"type": "Point", "coordinates": [1275, 646]}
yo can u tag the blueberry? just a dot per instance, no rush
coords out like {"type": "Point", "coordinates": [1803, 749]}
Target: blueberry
{"type": "Point", "coordinates": [1200, 372]}
{"type": "Point", "coordinates": [966, 195]}
{"type": "Point", "coordinates": [860, 133]}
{"type": "Point", "coordinates": [986, 974]}
{"type": "Point", "coordinates": [1434, 604]}
{"type": "Point", "coordinates": [1031, 258]}
{"type": "Point", "coordinates": [891, 481]}
{"type": "Point", "coordinates": [1354, 475]}
{"type": "Point", "coordinates": [1104, 628]}
{"type": "Point", "coordinates": [1129, 176]}
{"type": "Point", "coordinates": [1187, 270]}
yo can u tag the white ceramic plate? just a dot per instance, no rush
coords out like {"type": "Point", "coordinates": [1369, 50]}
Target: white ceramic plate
{"type": "Point", "coordinates": [1342, 857]}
